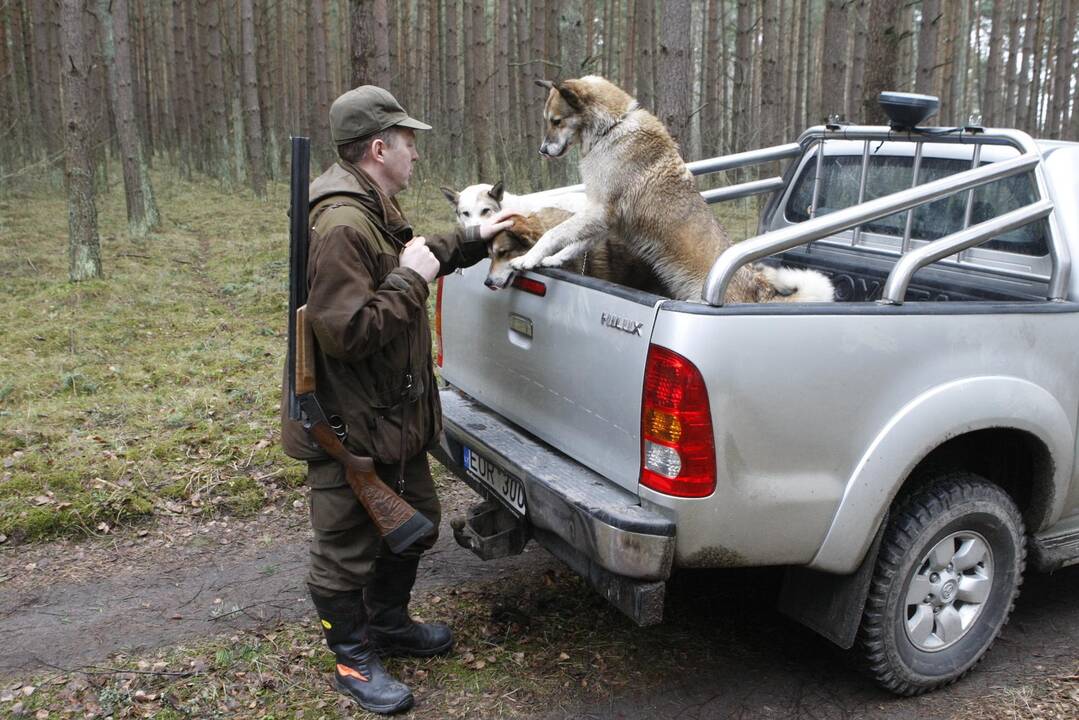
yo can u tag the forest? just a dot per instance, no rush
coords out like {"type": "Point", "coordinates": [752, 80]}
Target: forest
{"type": "Point", "coordinates": [214, 88]}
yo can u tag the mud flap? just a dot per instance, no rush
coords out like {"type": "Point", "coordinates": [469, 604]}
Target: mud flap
{"type": "Point", "coordinates": [829, 604]}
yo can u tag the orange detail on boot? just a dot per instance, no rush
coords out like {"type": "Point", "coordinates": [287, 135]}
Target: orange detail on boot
{"type": "Point", "coordinates": [352, 673]}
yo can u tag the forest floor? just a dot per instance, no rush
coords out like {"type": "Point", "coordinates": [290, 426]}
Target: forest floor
{"type": "Point", "coordinates": [153, 537]}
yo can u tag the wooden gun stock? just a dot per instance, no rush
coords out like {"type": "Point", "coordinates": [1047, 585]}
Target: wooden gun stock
{"type": "Point", "coordinates": [305, 360]}
{"type": "Point", "coordinates": [399, 523]}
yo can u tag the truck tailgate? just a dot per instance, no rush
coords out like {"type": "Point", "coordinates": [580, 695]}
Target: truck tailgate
{"type": "Point", "coordinates": [567, 365]}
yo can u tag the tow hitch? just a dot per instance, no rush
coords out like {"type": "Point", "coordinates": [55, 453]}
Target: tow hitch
{"type": "Point", "coordinates": [490, 531]}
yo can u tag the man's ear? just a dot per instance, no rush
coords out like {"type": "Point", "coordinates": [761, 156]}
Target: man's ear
{"type": "Point", "coordinates": [571, 97]}
{"type": "Point", "coordinates": [452, 195]}
{"type": "Point", "coordinates": [496, 192]}
{"type": "Point", "coordinates": [545, 83]}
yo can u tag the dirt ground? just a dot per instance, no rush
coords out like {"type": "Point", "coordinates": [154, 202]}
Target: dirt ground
{"type": "Point", "coordinates": [71, 605]}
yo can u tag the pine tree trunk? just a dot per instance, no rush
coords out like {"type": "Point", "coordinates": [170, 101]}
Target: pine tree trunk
{"type": "Point", "coordinates": [927, 47]}
{"type": "Point", "coordinates": [84, 244]}
{"type": "Point", "coordinates": [799, 118]}
{"type": "Point", "coordinates": [502, 75]}
{"type": "Point", "coordinates": [453, 82]}
{"type": "Point", "coordinates": [991, 91]}
{"type": "Point", "coordinates": [361, 26]}
{"type": "Point", "coordinates": [960, 47]}
{"type": "Point", "coordinates": [741, 85]}
{"type": "Point", "coordinates": [629, 59]}
{"type": "Point", "coordinates": [712, 69]}
{"type": "Point", "coordinates": [320, 118]}
{"type": "Point", "coordinates": [1037, 56]}
{"type": "Point", "coordinates": [1011, 81]}
{"type": "Point", "coordinates": [256, 165]}
{"type": "Point", "coordinates": [881, 51]}
{"type": "Point", "coordinates": [480, 106]}
{"type": "Point", "coordinates": [571, 32]}
{"type": "Point", "coordinates": [771, 76]}
{"type": "Point", "coordinates": [381, 16]}
{"type": "Point", "coordinates": [1062, 65]}
{"type": "Point", "coordinates": [860, 16]}
{"type": "Point", "coordinates": [674, 72]}
{"type": "Point", "coordinates": [834, 67]}
{"type": "Point", "coordinates": [645, 23]}
{"type": "Point", "coordinates": [142, 214]}
{"type": "Point", "coordinates": [45, 91]}
{"type": "Point", "coordinates": [218, 101]}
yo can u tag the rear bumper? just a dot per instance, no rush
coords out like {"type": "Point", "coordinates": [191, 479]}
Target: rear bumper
{"type": "Point", "coordinates": [580, 516]}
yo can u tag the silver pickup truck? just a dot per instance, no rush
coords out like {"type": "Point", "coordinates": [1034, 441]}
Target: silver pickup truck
{"type": "Point", "coordinates": [904, 452]}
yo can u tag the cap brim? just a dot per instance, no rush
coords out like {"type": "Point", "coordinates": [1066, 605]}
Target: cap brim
{"type": "Point", "coordinates": [413, 123]}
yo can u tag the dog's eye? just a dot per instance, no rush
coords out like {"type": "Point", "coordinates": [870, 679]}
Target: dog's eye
{"type": "Point", "coordinates": [466, 213]}
{"type": "Point", "coordinates": [485, 211]}
{"type": "Point", "coordinates": [555, 121]}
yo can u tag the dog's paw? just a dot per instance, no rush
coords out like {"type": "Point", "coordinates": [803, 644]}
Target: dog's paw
{"type": "Point", "coordinates": [523, 263]}
{"type": "Point", "coordinates": [552, 261]}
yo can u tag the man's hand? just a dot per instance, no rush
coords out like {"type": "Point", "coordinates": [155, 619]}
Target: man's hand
{"type": "Point", "coordinates": [497, 224]}
{"type": "Point", "coordinates": [419, 257]}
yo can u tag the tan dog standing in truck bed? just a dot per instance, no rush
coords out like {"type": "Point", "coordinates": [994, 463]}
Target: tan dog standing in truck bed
{"type": "Point", "coordinates": [639, 190]}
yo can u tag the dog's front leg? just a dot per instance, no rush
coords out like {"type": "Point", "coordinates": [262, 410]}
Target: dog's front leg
{"type": "Point", "coordinates": [566, 254]}
{"type": "Point", "coordinates": [572, 237]}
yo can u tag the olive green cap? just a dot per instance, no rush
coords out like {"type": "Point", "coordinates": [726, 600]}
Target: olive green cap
{"type": "Point", "coordinates": [366, 110]}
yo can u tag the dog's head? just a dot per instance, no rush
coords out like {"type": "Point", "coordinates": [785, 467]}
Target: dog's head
{"type": "Point", "coordinates": [574, 108]}
{"type": "Point", "coordinates": [502, 248]}
{"type": "Point", "coordinates": [476, 203]}
{"type": "Point", "coordinates": [515, 241]}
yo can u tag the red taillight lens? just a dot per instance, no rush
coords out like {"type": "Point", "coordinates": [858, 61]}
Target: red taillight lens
{"type": "Point", "coordinates": [534, 287]}
{"type": "Point", "coordinates": [678, 455]}
{"type": "Point", "coordinates": [438, 323]}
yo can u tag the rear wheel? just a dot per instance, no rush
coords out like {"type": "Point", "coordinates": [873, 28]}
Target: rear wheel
{"type": "Point", "coordinates": [947, 575]}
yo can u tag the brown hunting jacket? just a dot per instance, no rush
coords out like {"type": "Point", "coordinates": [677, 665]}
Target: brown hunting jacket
{"type": "Point", "coordinates": [369, 318]}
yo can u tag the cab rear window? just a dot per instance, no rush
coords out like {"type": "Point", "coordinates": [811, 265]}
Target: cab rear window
{"type": "Point", "coordinates": [840, 176]}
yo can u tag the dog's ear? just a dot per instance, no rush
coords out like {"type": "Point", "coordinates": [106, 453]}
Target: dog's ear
{"type": "Point", "coordinates": [452, 195]}
{"type": "Point", "coordinates": [570, 96]}
{"type": "Point", "coordinates": [545, 83]}
{"type": "Point", "coordinates": [497, 191]}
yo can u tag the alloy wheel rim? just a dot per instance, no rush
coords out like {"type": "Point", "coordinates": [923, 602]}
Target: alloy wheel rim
{"type": "Point", "coordinates": [948, 591]}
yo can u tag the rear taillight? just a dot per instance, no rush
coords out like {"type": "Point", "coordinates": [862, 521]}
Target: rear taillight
{"type": "Point", "coordinates": [678, 455]}
{"type": "Point", "coordinates": [533, 287]}
{"type": "Point", "coordinates": [438, 323]}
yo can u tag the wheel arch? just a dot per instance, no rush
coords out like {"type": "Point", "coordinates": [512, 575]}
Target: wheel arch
{"type": "Point", "coordinates": [1010, 430]}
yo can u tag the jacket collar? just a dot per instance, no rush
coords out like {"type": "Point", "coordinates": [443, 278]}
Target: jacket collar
{"type": "Point", "coordinates": [344, 178]}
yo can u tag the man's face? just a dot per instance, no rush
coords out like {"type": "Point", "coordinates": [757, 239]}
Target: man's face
{"type": "Point", "coordinates": [398, 157]}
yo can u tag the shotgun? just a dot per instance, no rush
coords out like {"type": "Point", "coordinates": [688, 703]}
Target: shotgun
{"type": "Point", "coordinates": [399, 523]}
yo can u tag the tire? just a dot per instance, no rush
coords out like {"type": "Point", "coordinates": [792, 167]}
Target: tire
{"type": "Point", "coordinates": [959, 540]}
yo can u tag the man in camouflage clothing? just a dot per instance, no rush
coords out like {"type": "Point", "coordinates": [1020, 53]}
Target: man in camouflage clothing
{"type": "Point", "coordinates": [367, 305]}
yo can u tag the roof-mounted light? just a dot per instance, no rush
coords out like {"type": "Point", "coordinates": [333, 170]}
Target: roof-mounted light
{"type": "Point", "coordinates": [907, 111]}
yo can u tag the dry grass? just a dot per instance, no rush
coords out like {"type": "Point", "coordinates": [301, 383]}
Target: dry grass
{"type": "Point", "coordinates": [157, 385]}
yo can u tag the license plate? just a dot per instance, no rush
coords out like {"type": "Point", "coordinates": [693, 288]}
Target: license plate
{"type": "Point", "coordinates": [496, 479]}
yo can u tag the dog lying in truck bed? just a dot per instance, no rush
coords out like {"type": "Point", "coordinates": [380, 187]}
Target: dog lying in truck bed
{"type": "Point", "coordinates": [639, 189]}
{"type": "Point", "coordinates": [607, 260]}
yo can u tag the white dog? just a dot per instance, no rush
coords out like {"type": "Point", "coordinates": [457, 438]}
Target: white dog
{"type": "Point", "coordinates": [478, 203]}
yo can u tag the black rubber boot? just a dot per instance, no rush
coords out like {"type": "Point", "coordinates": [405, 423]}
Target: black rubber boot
{"type": "Point", "coordinates": [359, 672]}
{"type": "Point", "coordinates": [393, 632]}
